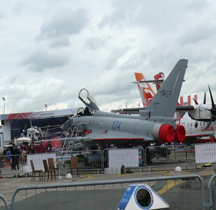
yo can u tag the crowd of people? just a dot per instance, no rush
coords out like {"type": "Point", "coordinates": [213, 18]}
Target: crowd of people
{"type": "Point", "coordinates": [15, 154]}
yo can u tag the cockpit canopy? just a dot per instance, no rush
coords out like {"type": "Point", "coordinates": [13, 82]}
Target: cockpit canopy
{"type": "Point", "coordinates": [86, 97]}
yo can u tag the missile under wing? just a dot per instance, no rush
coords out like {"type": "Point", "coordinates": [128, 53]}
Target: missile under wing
{"type": "Point", "coordinates": [91, 126]}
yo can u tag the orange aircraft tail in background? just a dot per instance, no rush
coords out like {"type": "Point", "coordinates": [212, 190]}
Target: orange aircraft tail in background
{"type": "Point", "coordinates": [145, 89]}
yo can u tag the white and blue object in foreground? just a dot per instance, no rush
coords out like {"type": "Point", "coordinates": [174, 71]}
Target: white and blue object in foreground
{"type": "Point", "coordinates": [141, 196]}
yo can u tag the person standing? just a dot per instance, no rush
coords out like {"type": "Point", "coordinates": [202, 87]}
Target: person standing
{"type": "Point", "coordinates": [41, 148]}
{"type": "Point", "coordinates": [13, 157]}
{"type": "Point", "coordinates": [16, 153]}
{"type": "Point", "coordinates": [32, 148]}
{"type": "Point", "coordinates": [8, 157]}
{"type": "Point", "coordinates": [49, 147]}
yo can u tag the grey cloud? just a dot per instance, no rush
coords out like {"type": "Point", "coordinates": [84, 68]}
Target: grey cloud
{"type": "Point", "coordinates": [199, 5]}
{"type": "Point", "coordinates": [121, 85]}
{"type": "Point", "coordinates": [1, 15]}
{"type": "Point", "coordinates": [198, 33]}
{"type": "Point", "coordinates": [16, 79]}
{"type": "Point", "coordinates": [122, 10]}
{"type": "Point", "coordinates": [60, 42]}
{"type": "Point", "coordinates": [95, 43]}
{"type": "Point", "coordinates": [112, 61]}
{"type": "Point", "coordinates": [15, 95]}
{"type": "Point", "coordinates": [154, 15]}
{"type": "Point", "coordinates": [40, 60]}
{"type": "Point", "coordinates": [20, 7]}
{"type": "Point", "coordinates": [114, 19]}
{"type": "Point", "coordinates": [65, 23]}
{"type": "Point", "coordinates": [111, 82]}
{"type": "Point", "coordinates": [135, 62]}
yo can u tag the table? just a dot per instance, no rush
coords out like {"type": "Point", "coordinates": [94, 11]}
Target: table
{"type": "Point", "coordinates": [59, 162]}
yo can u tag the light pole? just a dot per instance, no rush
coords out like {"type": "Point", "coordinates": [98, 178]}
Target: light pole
{"type": "Point", "coordinates": [3, 98]}
{"type": "Point", "coordinates": [46, 106]}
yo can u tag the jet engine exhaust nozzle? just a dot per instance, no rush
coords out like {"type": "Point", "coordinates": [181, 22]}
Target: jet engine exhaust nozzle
{"type": "Point", "coordinates": [166, 133]}
{"type": "Point", "coordinates": [180, 133]}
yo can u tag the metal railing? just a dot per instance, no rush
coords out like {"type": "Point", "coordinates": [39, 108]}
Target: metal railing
{"type": "Point", "coordinates": [107, 194]}
{"type": "Point", "coordinates": [6, 165]}
{"type": "Point", "coordinates": [180, 192]}
{"type": "Point", "coordinates": [87, 159]}
{"type": "Point", "coordinates": [169, 155]}
{"type": "Point", "coordinates": [5, 201]}
{"type": "Point", "coordinates": [211, 192]}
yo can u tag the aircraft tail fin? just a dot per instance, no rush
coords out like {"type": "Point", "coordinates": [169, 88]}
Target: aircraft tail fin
{"type": "Point", "coordinates": [165, 101]}
{"type": "Point", "coordinates": [145, 89]}
{"type": "Point", "coordinates": [157, 77]}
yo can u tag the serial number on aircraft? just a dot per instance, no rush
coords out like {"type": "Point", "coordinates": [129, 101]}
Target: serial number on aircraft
{"type": "Point", "coordinates": [116, 125]}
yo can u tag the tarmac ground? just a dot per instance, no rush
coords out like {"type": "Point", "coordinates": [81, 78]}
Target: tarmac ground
{"type": "Point", "coordinates": [11, 180]}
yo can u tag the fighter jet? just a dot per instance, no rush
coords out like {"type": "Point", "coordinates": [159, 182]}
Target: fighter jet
{"type": "Point", "coordinates": [153, 125]}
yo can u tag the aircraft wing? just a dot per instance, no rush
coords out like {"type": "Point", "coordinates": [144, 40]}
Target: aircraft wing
{"type": "Point", "coordinates": [197, 136]}
{"type": "Point", "coordinates": [110, 137]}
{"type": "Point", "coordinates": [185, 108]}
{"type": "Point", "coordinates": [136, 110]}
{"type": "Point", "coordinates": [128, 110]}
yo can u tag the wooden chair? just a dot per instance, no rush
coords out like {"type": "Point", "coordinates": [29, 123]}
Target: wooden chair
{"type": "Point", "coordinates": [74, 165]}
{"type": "Point", "coordinates": [51, 164]}
{"type": "Point", "coordinates": [35, 171]}
{"type": "Point", "coordinates": [49, 171]}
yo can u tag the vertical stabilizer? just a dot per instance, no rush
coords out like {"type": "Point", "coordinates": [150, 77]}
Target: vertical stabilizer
{"type": "Point", "coordinates": [157, 77]}
{"type": "Point", "coordinates": [145, 89]}
{"type": "Point", "coordinates": [165, 101]}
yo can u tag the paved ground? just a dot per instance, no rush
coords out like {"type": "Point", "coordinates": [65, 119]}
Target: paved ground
{"type": "Point", "coordinates": [10, 181]}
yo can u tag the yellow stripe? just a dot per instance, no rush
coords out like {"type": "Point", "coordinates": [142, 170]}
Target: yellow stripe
{"type": "Point", "coordinates": [206, 173]}
{"type": "Point", "coordinates": [199, 166]}
{"type": "Point", "coordinates": [170, 184]}
{"type": "Point", "coordinates": [89, 176]}
{"type": "Point", "coordinates": [163, 172]}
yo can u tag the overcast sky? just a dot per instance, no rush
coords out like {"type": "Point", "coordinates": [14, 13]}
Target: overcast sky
{"type": "Point", "coordinates": [49, 50]}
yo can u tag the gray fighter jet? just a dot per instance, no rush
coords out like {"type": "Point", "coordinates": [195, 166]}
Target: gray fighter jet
{"type": "Point", "coordinates": [155, 124]}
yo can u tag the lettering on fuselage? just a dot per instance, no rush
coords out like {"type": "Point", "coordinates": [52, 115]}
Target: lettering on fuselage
{"type": "Point", "coordinates": [116, 125]}
{"type": "Point", "coordinates": [210, 128]}
{"type": "Point", "coordinates": [166, 93]}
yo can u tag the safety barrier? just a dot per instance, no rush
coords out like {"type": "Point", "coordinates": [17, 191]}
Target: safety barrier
{"type": "Point", "coordinates": [169, 155]}
{"type": "Point", "coordinates": [211, 192]}
{"type": "Point", "coordinates": [179, 192]}
{"type": "Point", "coordinates": [107, 194]}
{"type": "Point", "coordinates": [5, 201]}
{"type": "Point", "coordinates": [87, 159]}
{"type": "Point", "coordinates": [6, 166]}
{"type": "Point", "coordinates": [166, 155]}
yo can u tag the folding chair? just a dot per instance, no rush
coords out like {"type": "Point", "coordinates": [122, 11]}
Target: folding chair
{"type": "Point", "coordinates": [47, 170]}
{"type": "Point", "coordinates": [74, 165]}
{"type": "Point", "coordinates": [35, 171]}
